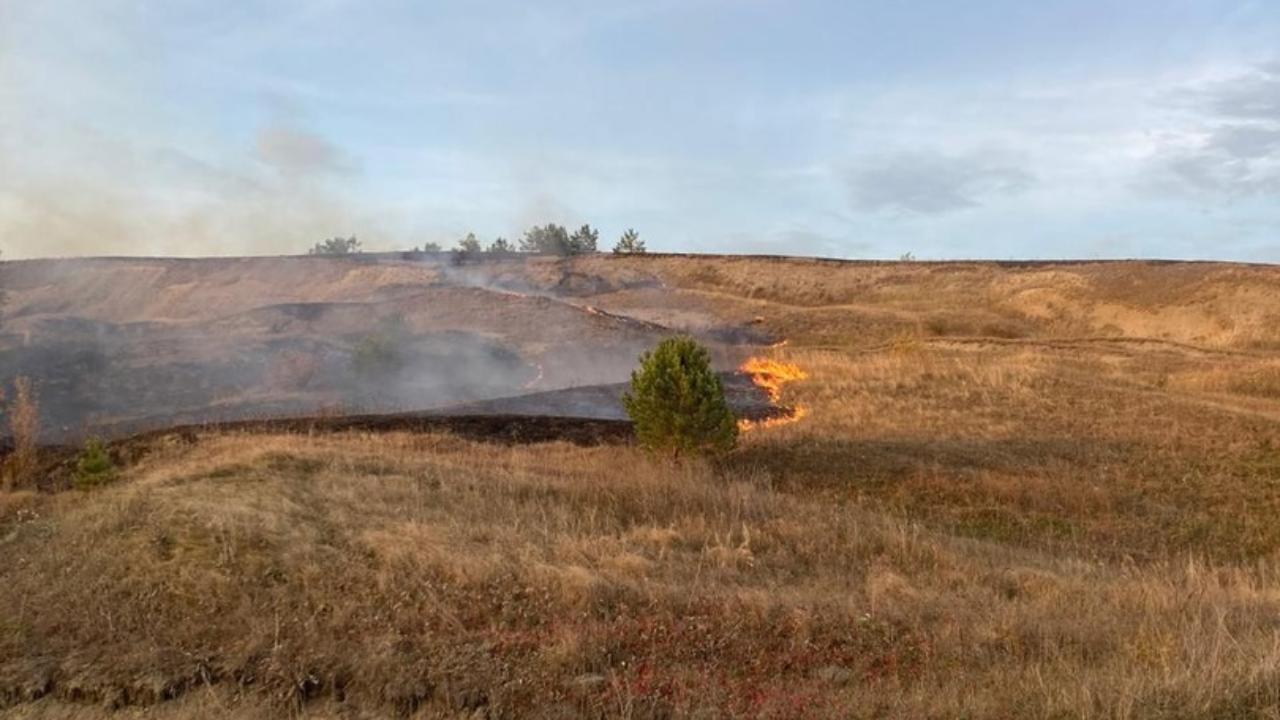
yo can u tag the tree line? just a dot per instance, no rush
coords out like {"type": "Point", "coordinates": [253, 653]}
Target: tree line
{"type": "Point", "coordinates": [549, 239]}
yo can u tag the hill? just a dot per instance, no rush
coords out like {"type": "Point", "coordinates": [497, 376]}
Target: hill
{"type": "Point", "coordinates": [1018, 490]}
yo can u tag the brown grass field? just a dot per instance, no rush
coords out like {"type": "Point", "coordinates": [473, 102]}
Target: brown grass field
{"type": "Point", "coordinates": [1021, 491]}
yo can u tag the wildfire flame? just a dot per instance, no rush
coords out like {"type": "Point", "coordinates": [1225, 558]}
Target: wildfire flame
{"type": "Point", "coordinates": [770, 375]}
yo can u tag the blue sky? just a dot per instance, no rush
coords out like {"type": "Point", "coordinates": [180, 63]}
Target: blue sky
{"type": "Point", "coordinates": [848, 129]}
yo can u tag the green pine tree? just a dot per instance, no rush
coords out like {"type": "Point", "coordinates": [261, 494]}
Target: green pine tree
{"type": "Point", "coordinates": [677, 401]}
{"type": "Point", "coordinates": [549, 240]}
{"type": "Point", "coordinates": [94, 466]}
{"type": "Point", "coordinates": [584, 240]}
{"type": "Point", "coordinates": [629, 244]}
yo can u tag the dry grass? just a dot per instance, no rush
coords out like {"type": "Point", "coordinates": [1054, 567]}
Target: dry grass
{"type": "Point", "coordinates": [1050, 448]}
{"type": "Point", "coordinates": [431, 575]}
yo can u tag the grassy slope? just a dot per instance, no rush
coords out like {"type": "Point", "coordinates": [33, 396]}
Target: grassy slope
{"type": "Point", "coordinates": [1046, 525]}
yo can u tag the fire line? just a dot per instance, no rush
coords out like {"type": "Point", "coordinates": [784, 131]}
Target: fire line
{"type": "Point", "coordinates": [770, 375]}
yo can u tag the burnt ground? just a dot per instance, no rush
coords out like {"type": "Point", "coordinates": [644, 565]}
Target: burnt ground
{"type": "Point", "coordinates": [605, 402]}
{"type": "Point", "coordinates": [586, 416]}
{"type": "Point", "coordinates": [58, 461]}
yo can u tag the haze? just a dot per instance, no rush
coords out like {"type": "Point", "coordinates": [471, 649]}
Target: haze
{"type": "Point", "coordinates": [846, 129]}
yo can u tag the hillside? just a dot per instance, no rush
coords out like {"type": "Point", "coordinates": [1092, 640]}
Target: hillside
{"type": "Point", "coordinates": [132, 344]}
{"type": "Point", "coordinates": [1018, 490]}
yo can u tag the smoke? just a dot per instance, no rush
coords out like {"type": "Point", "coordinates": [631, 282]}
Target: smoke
{"type": "Point", "coordinates": [297, 153]}
{"type": "Point", "coordinates": [286, 337]}
{"type": "Point", "coordinates": [95, 196]}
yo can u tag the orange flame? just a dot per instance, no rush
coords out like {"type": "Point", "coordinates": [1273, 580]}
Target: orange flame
{"type": "Point", "coordinates": [770, 375]}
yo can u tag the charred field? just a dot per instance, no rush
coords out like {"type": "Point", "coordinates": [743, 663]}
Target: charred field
{"type": "Point", "coordinates": [399, 486]}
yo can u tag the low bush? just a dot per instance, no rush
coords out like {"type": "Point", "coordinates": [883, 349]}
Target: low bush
{"type": "Point", "coordinates": [94, 466]}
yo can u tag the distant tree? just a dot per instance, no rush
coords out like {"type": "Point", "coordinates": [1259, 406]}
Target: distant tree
{"type": "Point", "coordinates": [677, 403]}
{"type": "Point", "coordinates": [430, 247]}
{"type": "Point", "coordinates": [630, 244]}
{"type": "Point", "coordinates": [501, 246]}
{"type": "Point", "coordinates": [550, 239]}
{"type": "Point", "coordinates": [584, 240]}
{"type": "Point", "coordinates": [93, 466]}
{"type": "Point", "coordinates": [336, 246]}
{"type": "Point", "coordinates": [466, 249]}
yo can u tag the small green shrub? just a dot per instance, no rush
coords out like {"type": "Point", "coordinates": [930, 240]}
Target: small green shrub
{"type": "Point", "coordinates": [677, 401]}
{"type": "Point", "coordinates": [94, 466]}
{"type": "Point", "coordinates": [381, 354]}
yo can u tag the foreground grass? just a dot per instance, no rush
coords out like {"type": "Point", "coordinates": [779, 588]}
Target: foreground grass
{"type": "Point", "coordinates": [431, 576]}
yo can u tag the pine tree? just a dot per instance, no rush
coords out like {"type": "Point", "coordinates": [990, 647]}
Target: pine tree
{"type": "Point", "coordinates": [629, 244]}
{"type": "Point", "coordinates": [469, 244]}
{"type": "Point", "coordinates": [549, 240]}
{"type": "Point", "coordinates": [584, 240]}
{"type": "Point", "coordinates": [500, 247]}
{"type": "Point", "coordinates": [677, 401]}
{"type": "Point", "coordinates": [94, 466]}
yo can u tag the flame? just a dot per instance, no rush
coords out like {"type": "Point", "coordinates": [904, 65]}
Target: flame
{"type": "Point", "coordinates": [770, 375]}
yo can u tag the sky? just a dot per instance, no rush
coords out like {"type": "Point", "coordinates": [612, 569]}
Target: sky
{"type": "Point", "coordinates": [845, 128]}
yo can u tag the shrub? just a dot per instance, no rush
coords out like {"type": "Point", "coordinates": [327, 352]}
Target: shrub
{"type": "Point", "coordinates": [380, 354]}
{"type": "Point", "coordinates": [94, 466]}
{"type": "Point", "coordinates": [677, 401]}
{"type": "Point", "coordinates": [24, 425]}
